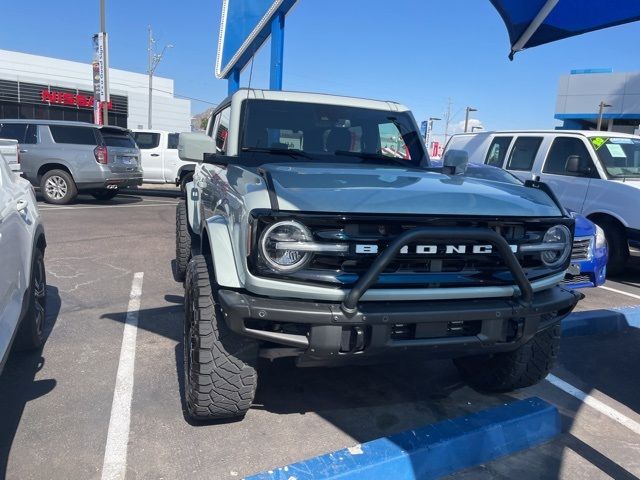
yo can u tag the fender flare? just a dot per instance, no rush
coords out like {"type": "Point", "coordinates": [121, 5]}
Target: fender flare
{"type": "Point", "coordinates": [193, 212]}
{"type": "Point", "coordinates": [222, 255]}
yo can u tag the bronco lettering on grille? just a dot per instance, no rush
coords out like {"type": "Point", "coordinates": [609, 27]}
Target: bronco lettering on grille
{"type": "Point", "coordinates": [433, 249]}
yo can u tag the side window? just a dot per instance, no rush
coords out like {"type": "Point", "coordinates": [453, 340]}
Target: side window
{"type": "Point", "coordinates": [561, 149]}
{"type": "Point", "coordinates": [13, 131]}
{"type": "Point", "coordinates": [31, 137]}
{"type": "Point", "coordinates": [222, 131]}
{"type": "Point", "coordinates": [524, 153]}
{"type": "Point", "coordinates": [147, 140]}
{"type": "Point", "coordinates": [172, 141]}
{"type": "Point", "coordinates": [73, 135]}
{"type": "Point", "coordinates": [498, 151]}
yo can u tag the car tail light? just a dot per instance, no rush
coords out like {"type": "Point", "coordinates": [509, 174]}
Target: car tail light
{"type": "Point", "coordinates": [101, 154]}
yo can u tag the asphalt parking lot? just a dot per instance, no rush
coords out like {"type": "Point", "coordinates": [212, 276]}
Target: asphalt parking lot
{"type": "Point", "coordinates": [57, 406]}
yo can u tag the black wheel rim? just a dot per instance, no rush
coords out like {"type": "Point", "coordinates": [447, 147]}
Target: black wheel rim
{"type": "Point", "coordinates": [39, 289]}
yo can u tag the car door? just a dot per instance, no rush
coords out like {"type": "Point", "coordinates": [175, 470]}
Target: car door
{"type": "Point", "coordinates": [522, 156]}
{"type": "Point", "coordinates": [171, 158]}
{"type": "Point", "coordinates": [15, 256]}
{"type": "Point", "coordinates": [570, 188]}
{"type": "Point", "coordinates": [151, 153]}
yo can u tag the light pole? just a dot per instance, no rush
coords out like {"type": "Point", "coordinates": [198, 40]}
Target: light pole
{"type": "Point", "coordinates": [602, 106]}
{"type": "Point", "coordinates": [154, 60]}
{"type": "Point", "coordinates": [466, 117]}
{"type": "Point", "coordinates": [474, 128]}
{"type": "Point", "coordinates": [103, 29]}
{"type": "Point", "coordinates": [427, 134]}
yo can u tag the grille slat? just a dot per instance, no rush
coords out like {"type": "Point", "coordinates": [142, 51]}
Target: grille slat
{"type": "Point", "coordinates": [580, 250]}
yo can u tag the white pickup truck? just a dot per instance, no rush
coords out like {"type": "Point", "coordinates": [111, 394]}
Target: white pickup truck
{"type": "Point", "coordinates": [10, 150]}
{"type": "Point", "coordinates": [160, 161]}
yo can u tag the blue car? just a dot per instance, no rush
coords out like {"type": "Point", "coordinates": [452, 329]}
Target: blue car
{"type": "Point", "coordinates": [590, 253]}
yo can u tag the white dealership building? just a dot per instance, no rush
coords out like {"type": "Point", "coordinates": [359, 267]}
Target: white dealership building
{"type": "Point", "coordinates": [37, 87]}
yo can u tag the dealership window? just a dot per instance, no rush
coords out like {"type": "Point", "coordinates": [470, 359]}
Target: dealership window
{"type": "Point", "coordinates": [523, 153]}
{"type": "Point", "coordinates": [73, 135]}
{"type": "Point", "coordinates": [498, 151]}
{"type": "Point", "coordinates": [147, 140]}
{"type": "Point", "coordinates": [561, 149]}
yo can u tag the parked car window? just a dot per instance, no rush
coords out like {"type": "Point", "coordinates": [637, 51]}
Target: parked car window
{"type": "Point", "coordinates": [561, 149]}
{"type": "Point", "coordinates": [172, 141]}
{"type": "Point", "coordinates": [22, 132]}
{"type": "Point", "coordinates": [498, 151]}
{"type": "Point", "coordinates": [147, 140]}
{"type": "Point", "coordinates": [117, 138]}
{"type": "Point", "coordinates": [222, 132]}
{"type": "Point", "coordinates": [619, 156]}
{"type": "Point", "coordinates": [73, 135]}
{"type": "Point", "coordinates": [391, 142]}
{"type": "Point", "coordinates": [524, 153]}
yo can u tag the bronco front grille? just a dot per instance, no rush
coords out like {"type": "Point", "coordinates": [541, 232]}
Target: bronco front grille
{"type": "Point", "coordinates": [410, 269]}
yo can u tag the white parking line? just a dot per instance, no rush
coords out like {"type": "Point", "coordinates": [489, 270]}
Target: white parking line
{"type": "Point", "coordinates": [42, 209]}
{"type": "Point", "coordinates": [595, 403]}
{"type": "Point", "coordinates": [621, 292]}
{"type": "Point", "coordinates": [115, 454]}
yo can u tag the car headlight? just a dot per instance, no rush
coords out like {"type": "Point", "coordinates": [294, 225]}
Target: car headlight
{"type": "Point", "coordinates": [557, 246]}
{"type": "Point", "coordinates": [273, 246]}
{"type": "Point", "coordinates": [601, 239]}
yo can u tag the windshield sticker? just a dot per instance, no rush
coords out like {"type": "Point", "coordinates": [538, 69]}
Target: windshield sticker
{"type": "Point", "coordinates": [597, 142]}
{"type": "Point", "coordinates": [626, 141]}
{"type": "Point", "coordinates": [616, 151]}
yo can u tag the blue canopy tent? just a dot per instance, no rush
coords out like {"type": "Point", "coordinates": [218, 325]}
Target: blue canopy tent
{"type": "Point", "coordinates": [535, 22]}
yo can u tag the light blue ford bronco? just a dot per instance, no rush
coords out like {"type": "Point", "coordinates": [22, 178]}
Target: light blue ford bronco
{"type": "Point", "coordinates": [315, 227]}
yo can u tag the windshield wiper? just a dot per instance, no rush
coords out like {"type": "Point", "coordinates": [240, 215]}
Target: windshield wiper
{"type": "Point", "coordinates": [375, 156]}
{"type": "Point", "coordinates": [292, 152]}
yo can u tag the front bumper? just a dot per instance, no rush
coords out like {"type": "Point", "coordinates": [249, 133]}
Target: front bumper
{"type": "Point", "coordinates": [449, 328]}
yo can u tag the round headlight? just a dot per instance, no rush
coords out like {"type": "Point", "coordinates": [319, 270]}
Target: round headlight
{"type": "Point", "coordinates": [558, 239]}
{"type": "Point", "coordinates": [274, 239]}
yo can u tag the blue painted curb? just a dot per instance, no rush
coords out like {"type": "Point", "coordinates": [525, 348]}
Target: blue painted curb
{"type": "Point", "coordinates": [597, 322]}
{"type": "Point", "coordinates": [435, 450]}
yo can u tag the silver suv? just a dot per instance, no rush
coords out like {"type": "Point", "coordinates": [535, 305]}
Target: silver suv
{"type": "Point", "coordinates": [64, 158]}
{"type": "Point", "coordinates": [316, 227]}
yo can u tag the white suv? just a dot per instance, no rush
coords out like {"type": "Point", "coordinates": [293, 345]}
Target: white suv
{"type": "Point", "coordinates": [596, 174]}
{"type": "Point", "coordinates": [22, 276]}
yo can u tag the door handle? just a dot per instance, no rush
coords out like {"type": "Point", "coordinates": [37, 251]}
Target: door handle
{"type": "Point", "coordinates": [23, 150]}
{"type": "Point", "coordinates": [155, 154]}
{"type": "Point", "coordinates": [21, 205]}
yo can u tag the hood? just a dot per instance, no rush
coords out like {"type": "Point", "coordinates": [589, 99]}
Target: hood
{"type": "Point", "coordinates": [343, 188]}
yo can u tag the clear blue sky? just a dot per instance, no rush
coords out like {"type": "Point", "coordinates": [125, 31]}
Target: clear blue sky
{"type": "Point", "coordinates": [413, 51]}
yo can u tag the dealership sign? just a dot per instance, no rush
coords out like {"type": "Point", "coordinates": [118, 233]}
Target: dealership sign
{"type": "Point", "coordinates": [245, 26]}
{"type": "Point", "coordinates": [71, 99]}
{"type": "Point", "coordinates": [99, 65]}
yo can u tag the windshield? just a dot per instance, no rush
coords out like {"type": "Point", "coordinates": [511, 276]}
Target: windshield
{"type": "Point", "coordinates": [348, 134]}
{"type": "Point", "coordinates": [619, 156]}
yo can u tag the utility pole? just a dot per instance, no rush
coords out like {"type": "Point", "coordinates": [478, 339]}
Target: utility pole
{"type": "Point", "coordinates": [602, 106]}
{"type": "Point", "coordinates": [154, 60]}
{"type": "Point", "coordinates": [447, 120]}
{"type": "Point", "coordinates": [466, 117]}
{"type": "Point", "coordinates": [103, 29]}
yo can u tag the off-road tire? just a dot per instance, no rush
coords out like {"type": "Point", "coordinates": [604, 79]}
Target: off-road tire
{"type": "Point", "coordinates": [183, 241]}
{"type": "Point", "coordinates": [104, 195]}
{"type": "Point", "coordinates": [220, 375]}
{"type": "Point", "coordinates": [30, 334]}
{"type": "Point", "coordinates": [503, 372]}
{"type": "Point", "coordinates": [65, 181]}
{"type": "Point", "coordinates": [618, 246]}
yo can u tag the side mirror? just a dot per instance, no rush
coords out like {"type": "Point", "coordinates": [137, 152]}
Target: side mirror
{"type": "Point", "coordinates": [577, 165]}
{"type": "Point", "coordinates": [455, 162]}
{"type": "Point", "coordinates": [193, 146]}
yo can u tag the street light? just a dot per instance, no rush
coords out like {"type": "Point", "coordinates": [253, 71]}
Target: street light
{"type": "Point", "coordinates": [466, 117]}
{"type": "Point", "coordinates": [154, 60]}
{"type": "Point", "coordinates": [427, 133]}
{"type": "Point", "coordinates": [602, 106]}
{"type": "Point", "coordinates": [474, 128]}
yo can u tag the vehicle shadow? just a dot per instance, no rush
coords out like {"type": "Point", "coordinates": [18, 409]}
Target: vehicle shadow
{"type": "Point", "coordinates": [154, 192]}
{"type": "Point", "coordinates": [86, 199]}
{"type": "Point", "coordinates": [18, 384]}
